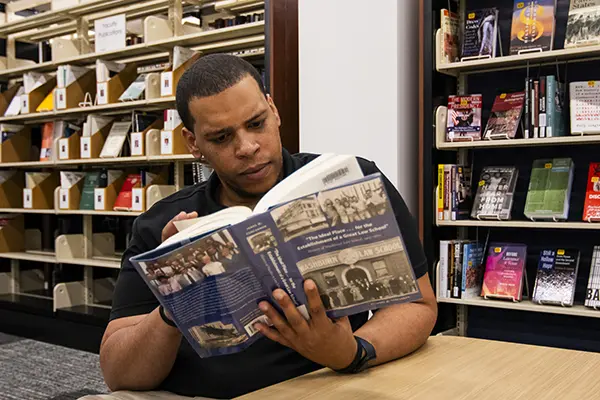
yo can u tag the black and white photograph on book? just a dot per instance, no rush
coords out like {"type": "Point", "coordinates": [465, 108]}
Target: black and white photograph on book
{"type": "Point", "coordinates": [299, 217]}
{"type": "Point", "coordinates": [374, 271]}
{"type": "Point", "coordinates": [217, 334]}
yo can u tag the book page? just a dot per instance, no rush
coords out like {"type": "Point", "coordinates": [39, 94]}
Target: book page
{"type": "Point", "coordinates": [209, 289]}
{"type": "Point", "coordinates": [115, 140]}
{"type": "Point", "coordinates": [68, 178]}
{"type": "Point", "coordinates": [346, 239]}
{"type": "Point", "coordinates": [14, 108]}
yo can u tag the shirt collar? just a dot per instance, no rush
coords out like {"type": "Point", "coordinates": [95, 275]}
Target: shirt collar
{"type": "Point", "coordinates": [213, 182]}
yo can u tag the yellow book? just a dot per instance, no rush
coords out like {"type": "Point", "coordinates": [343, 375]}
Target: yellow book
{"type": "Point", "coordinates": [47, 104]}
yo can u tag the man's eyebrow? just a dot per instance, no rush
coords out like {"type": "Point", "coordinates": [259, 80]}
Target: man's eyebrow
{"type": "Point", "coordinates": [230, 129]}
{"type": "Point", "coordinates": [255, 116]}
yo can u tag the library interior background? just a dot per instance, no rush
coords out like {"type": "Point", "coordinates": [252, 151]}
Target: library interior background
{"type": "Point", "coordinates": [484, 114]}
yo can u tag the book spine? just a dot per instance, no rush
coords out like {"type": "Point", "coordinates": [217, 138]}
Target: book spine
{"type": "Point", "coordinates": [451, 267]}
{"type": "Point", "coordinates": [456, 278]}
{"type": "Point", "coordinates": [465, 268]}
{"type": "Point", "coordinates": [443, 270]}
{"type": "Point", "coordinates": [542, 107]}
{"type": "Point", "coordinates": [440, 194]}
{"type": "Point", "coordinates": [447, 190]}
{"type": "Point", "coordinates": [526, 110]}
{"type": "Point", "coordinates": [550, 107]}
{"type": "Point", "coordinates": [535, 109]}
{"type": "Point", "coordinates": [453, 194]}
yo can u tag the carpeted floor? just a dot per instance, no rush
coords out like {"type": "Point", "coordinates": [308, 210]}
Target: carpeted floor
{"type": "Point", "coordinates": [31, 370]}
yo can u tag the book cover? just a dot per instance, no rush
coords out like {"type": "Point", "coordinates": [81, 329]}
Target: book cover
{"type": "Point", "coordinates": [480, 33]}
{"type": "Point", "coordinates": [532, 25]}
{"type": "Point", "coordinates": [124, 199]}
{"type": "Point", "coordinates": [504, 268]}
{"type": "Point", "coordinates": [472, 276]}
{"type": "Point", "coordinates": [592, 297]}
{"type": "Point", "coordinates": [556, 277]}
{"type": "Point", "coordinates": [585, 107]}
{"type": "Point", "coordinates": [549, 192]}
{"type": "Point", "coordinates": [47, 141]}
{"type": "Point", "coordinates": [555, 105]}
{"type": "Point", "coordinates": [345, 238]}
{"type": "Point", "coordinates": [495, 191]}
{"type": "Point", "coordinates": [582, 24]}
{"type": "Point", "coordinates": [93, 179]}
{"type": "Point", "coordinates": [450, 43]}
{"type": "Point", "coordinates": [591, 205]}
{"type": "Point", "coordinates": [464, 118]}
{"type": "Point", "coordinates": [505, 116]}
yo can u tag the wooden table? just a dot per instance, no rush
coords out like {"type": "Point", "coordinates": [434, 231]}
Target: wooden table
{"type": "Point", "coordinates": [457, 368]}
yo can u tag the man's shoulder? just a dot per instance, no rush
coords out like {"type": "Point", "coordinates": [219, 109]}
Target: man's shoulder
{"type": "Point", "coordinates": [187, 199]}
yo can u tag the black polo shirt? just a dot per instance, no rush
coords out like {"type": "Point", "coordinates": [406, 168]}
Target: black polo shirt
{"type": "Point", "coordinates": [265, 362]}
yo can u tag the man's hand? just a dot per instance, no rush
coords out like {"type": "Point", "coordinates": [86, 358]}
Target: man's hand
{"type": "Point", "coordinates": [326, 342]}
{"type": "Point", "coordinates": [170, 229]}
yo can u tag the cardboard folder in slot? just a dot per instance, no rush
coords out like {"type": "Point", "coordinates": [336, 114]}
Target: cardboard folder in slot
{"type": "Point", "coordinates": [143, 198]}
{"type": "Point", "coordinates": [110, 91]}
{"type": "Point", "coordinates": [173, 142]}
{"type": "Point", "coordinates": [69, 247]}
{"type": "Point", "coordinates": [73, 94]}
{"type": "Point", "coordinates": [69, 192]}
{"type": "Point", "coordinates": [39, 190]}
{"type": "Point", "coordinates": [170, 78]}
{"type": "Point", "coordinates": [91, 146]}
{"type": "Point", "coordinates": [6, 98]}
{"type": "Point", "coordinates": [138, 139]}
{"type": "Point", "coordinates": [69, 148]}
{"type": "Point", "coordinates": [30, 101]}
{"type": "Point", "coordinates": [15, 144]}
{"type": "Point", "coordinates": [104, 198]}
{"type": "Point", "coordinates": [11, 188]}
{"type": "Point", "coordinates": [12, 233]}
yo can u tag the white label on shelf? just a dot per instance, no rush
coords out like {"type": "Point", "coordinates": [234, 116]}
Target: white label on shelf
{"type": "Point", "coordinates": [137, 144]}
{"type": "Point", "coordinates": [99, 199]}
{"type": "Point", "coordinates": [64, 199]}
{"type": "Point", "coordinates": [24, 103]}
{"type": "Point", "coordinates": [137, 199]}
{"type": "Point", "coordinates": [27, 198]}
{"type": "Point", "coordinates": [86, 147]}
{"type": "Point", "coordinates": [60, 97]}
{"type": "Point", "coordinates": [110, 33]}
{"type": "Point", "coordinates": [166, 142]}
{"type": "Point", "coordinates": [63, 149]}
{"type": "Point", "coordinates": [166, 84]}
{"type": "Point", "coordinates": [102, 90]}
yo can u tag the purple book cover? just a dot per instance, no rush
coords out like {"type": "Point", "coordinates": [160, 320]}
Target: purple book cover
{"type": "Point", "coordinates": [504, 270]}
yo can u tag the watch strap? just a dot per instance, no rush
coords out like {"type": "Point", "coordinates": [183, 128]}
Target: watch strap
{"type": "Point", "coordinates": [365, 352]}
{"type": "Point", "coordinates": [163, 315]}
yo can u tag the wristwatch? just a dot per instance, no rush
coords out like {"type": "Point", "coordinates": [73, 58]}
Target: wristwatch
{"type": "Point", "coordinates": [365, 352]}
{"type": "Point", "coordinates": [164, 317]}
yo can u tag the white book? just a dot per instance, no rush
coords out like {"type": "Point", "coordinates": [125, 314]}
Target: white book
{"type": "Point", "coordinates": [181, 55]}
{"type": "Point", "coordinates": [326, 171]}
{"type": "Point", "coordinates": [33, 80]}
{"type": "Point", "coordinates": [135, 91]}
{"type": "Point", "coordinates": [95, 123]}
{"type": "Point", "coordinates": [73, 73]}
{"type": "Point", "coordinates": [115, 140]}
{"type": "Point", "coordinates": [70, 178]}
{"type": "Point", "coordinates": [173, 120]}
{"type": "Point", "coordinates": [585, 107]}
{"type": "Point", "coordinates": [14, 108]}
{"type": "Point", "coordinates": [104, 68]}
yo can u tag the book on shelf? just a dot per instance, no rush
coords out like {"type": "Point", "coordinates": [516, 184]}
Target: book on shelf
{"type": "Point", "coordinates": [33, 80]}
{"type": "Point", "coordinates": [464, 118]}
{"type": "Point", "coordinates": [591, 205]}
{"type": "Point", "coordinates": [533, 25]}
{"type": "Point", "coordinates": [495, 192]}
{"type": "Point", "coordinates": [460, 269]}
{"type": "Point", "coordinates": [93, 180]}
{"type": "Point", "coordinates": [555, 106]}
{"type": "Point", "coordinates": [549, 192]}
{"type": "Point", "coordinates": [14, 107]}
{"type": "Point", "coordinates": [504, 271]}
{"type": "Point", "coordinates": [113, 146]}
{"type": "Point", "coordinates": [592, 296]}
{"type": "Point", "coordinates": [172, 120]}
{"type": "Point", "coordinates": [505, 116]}
{"type": "Point", "coordinates": [585, 107]}
{"type": "Point", "coordinates": [135, 91]}
{"type": "Point", "coordinates": [480, 33]}
{"type": "Point", "coordinates": [107, 69]}
{"type": "Point", "coordinates": [48, 138]}
{"type": "Point", "coordinates": [124, 199]}
{"type": "Point", "coordinates": [582, 24]}
{"type": "Point", "coordinates": [454, 192]}
{"type": "Point", "coordinates": [67, 74]}
{"type": "Point", "coordinates": [472, 270]}
{"type": "Point", "coordinates": [450, 44]}
{"type": "Point", "coordinates": [556, 277]}
{"type": "Point", "coordinates": [229, 261]}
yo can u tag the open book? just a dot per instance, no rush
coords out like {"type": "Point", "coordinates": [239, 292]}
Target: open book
{"type": "Point", "coordinates": [326, 222]}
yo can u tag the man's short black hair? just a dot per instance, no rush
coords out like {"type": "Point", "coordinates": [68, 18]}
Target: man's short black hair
{"type": "Point", "coordinates": [208, 76]}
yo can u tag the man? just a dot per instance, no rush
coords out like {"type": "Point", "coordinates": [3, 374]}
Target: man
{"type": "Point", "coordinates": [212, 268]}
{"type": "Point", "coordinates": [233, 125]}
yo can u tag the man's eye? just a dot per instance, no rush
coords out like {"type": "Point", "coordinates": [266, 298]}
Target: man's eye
{"type": "Point", "coordinates": [221, 139]}
{"type": "Point", "coordinates": [256, 124]}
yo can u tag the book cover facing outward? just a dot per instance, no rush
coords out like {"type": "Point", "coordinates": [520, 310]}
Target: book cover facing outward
{"type": "Point", "coordinates": [464, 118]}
{"type": "Point", "coordinates": [592, 297]}
{"type": "Point", "coordinates": [556, 277]}
{"type": "Point", "coordinates": [582, 25]}
{"type": "Point", "coordinates": [532, 25]}
{"type": "Point", "coordinates": [344, 236]}
{"type": "Point", "coordinates": [472, 270]}
{"type": "Point", "coordinates": [504, 268]}
{"type": "Point", "coordinates": [449, 26]}
{"type": "Point", "coordinates": [479, 33]}
{"type": "Point", "coordinates": [549, 192]}
{"type": "Point", "coordinates": [591, 205]}
{"type": "Point", "coordinates": [505, 116]}
{"type": "Point", "coordinates": [124, 199]}
{"type": "Point", "coordinates": [495, 192]}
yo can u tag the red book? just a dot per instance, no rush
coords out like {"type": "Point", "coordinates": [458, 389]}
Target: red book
{"type": "Point", "coordinates": [464, 118]}
{"type": "Point", "coordinates": [504, 270]}
{"type": "Point", "coordinates": [123, 202]}
{"type": "Point", "coordinates": [591, 206]}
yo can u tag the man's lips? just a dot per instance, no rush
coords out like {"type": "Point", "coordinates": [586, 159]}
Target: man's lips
{"type": "Point", "coordinates": [255, 169]}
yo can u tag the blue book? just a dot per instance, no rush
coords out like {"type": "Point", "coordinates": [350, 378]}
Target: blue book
{"type": "Point", "coordinates": [344, 237]}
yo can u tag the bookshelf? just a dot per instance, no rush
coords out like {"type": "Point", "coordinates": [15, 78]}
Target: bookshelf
{"type": "Point", "coordinates": [257, 42]}
{"type": "Point", "coordinates": [497, 319]}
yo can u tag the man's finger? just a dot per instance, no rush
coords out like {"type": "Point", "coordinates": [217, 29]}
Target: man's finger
{"type": "Point", "coordinates": [170, 229]}
{"type": "Point", "coordinates": [295, 320]}
{"type": "Point", "coordinates": [315, 305]}
{"type": "Point", "coordinates": [272, 334]}
{"type": "Point", "coordinates": [344, 321]}
{"type": "Point", "coordinates": [277, 320]}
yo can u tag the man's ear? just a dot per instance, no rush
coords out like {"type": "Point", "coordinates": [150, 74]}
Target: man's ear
{"type": "Point", "coordinates": [190, 141]}
{"type": "Point", "coordinates": [274, 109]}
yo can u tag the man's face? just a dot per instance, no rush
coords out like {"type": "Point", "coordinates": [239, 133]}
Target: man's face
{"type": "Point", "coordinates": [237, 131]}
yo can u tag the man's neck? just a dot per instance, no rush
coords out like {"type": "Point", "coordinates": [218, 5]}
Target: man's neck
{"type": "Point", "coordinates": [229, 198]}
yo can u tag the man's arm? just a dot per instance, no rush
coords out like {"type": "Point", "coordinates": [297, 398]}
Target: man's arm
{"type": "Point", "coordinates": [137, 353]}
{"type": "Point", "coordinates": [398, 330]}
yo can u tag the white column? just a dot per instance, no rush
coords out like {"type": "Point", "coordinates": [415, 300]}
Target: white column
{"type": "Point", "coordinates": [358, 67]}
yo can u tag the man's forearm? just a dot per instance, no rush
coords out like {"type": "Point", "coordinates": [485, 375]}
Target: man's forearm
{"type": "Point", "coordinates": [140, 356]}
{"type": "Point", "coordinates": [399, 330]}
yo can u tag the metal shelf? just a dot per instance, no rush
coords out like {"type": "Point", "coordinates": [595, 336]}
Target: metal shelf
{"type": "Point", "coordinates": [525, 305]}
